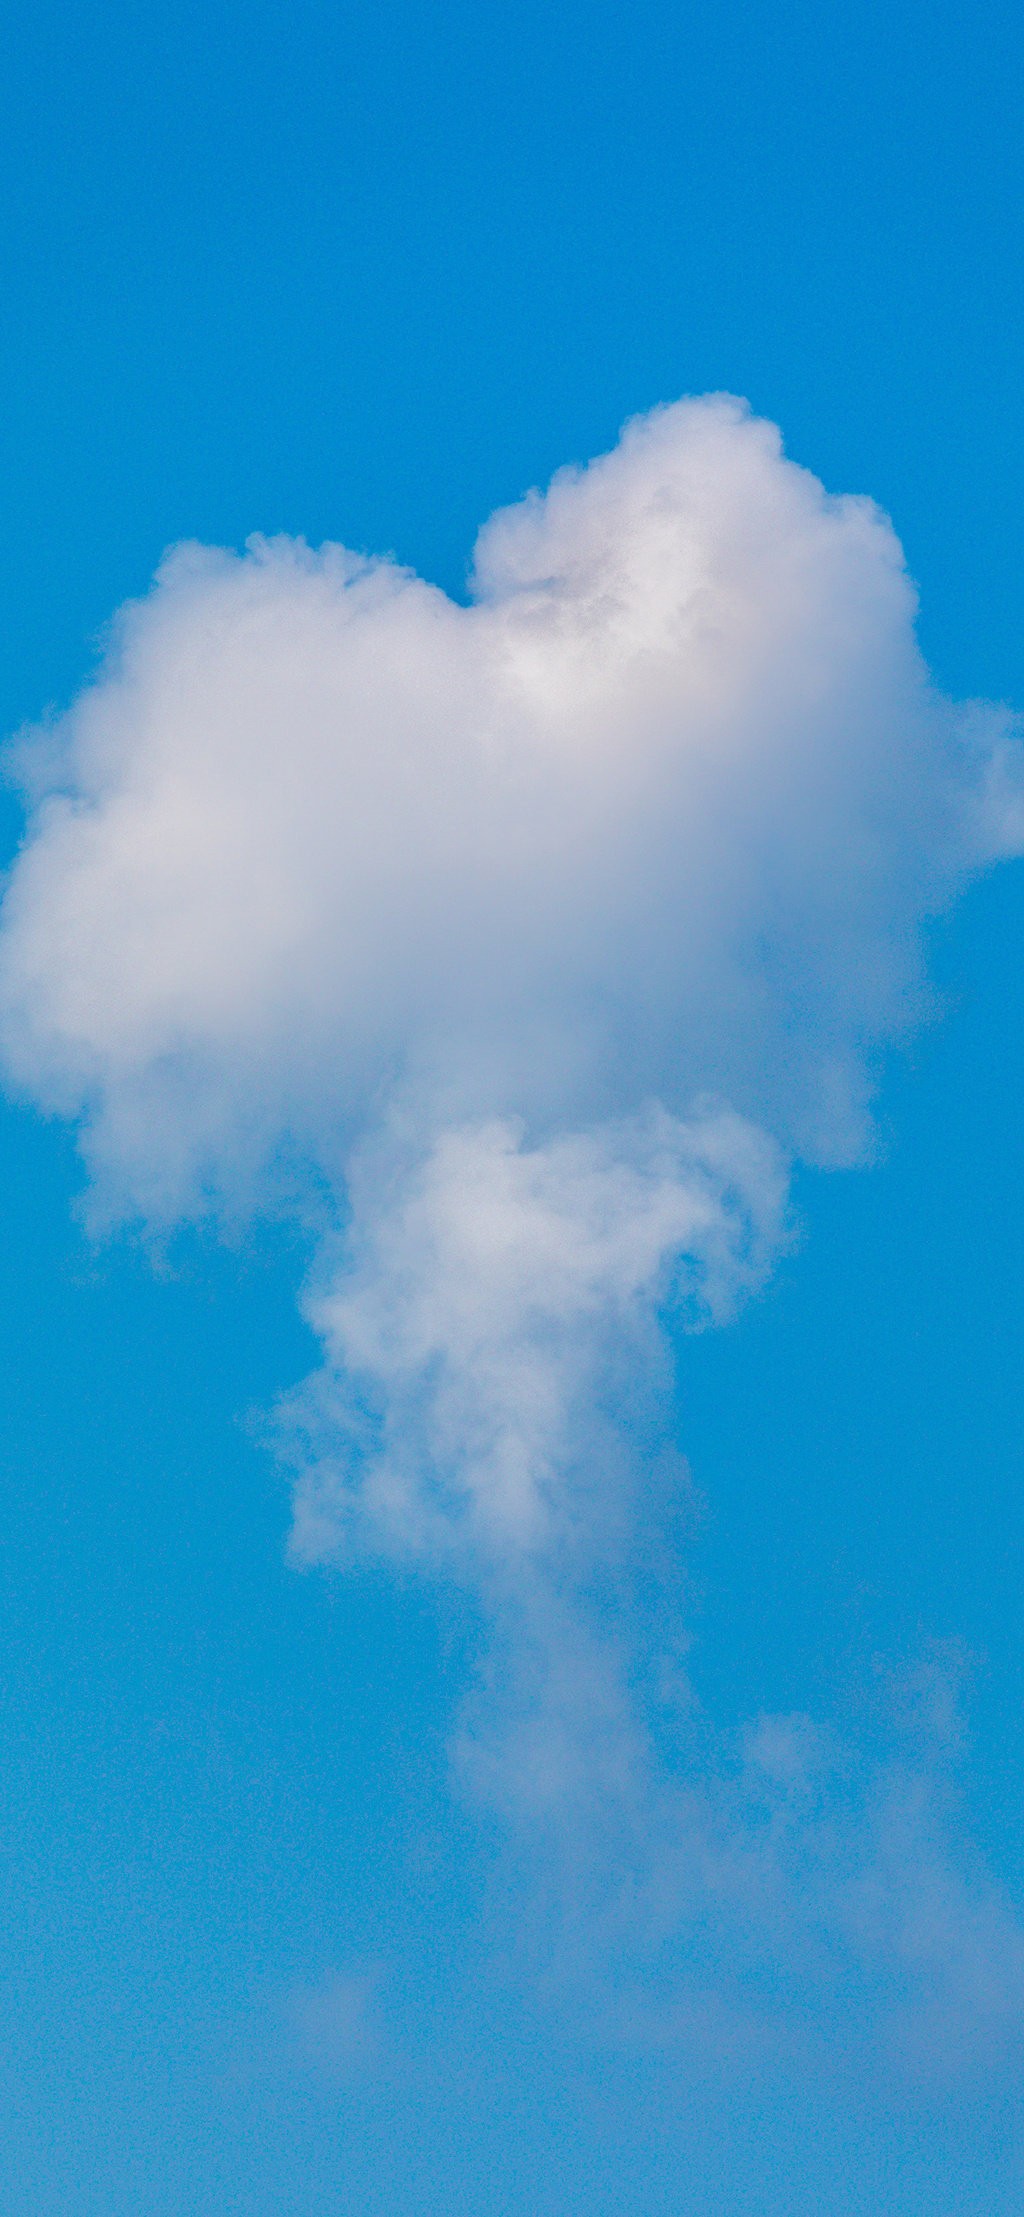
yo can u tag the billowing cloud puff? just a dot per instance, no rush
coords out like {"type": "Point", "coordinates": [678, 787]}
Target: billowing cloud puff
{"type": "Point", "coordinates": [522, 945]}
{"type": "Point", "coordinates": [658, 816]}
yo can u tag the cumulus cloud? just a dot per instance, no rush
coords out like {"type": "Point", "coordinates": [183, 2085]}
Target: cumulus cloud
{"type": "Point", "coordinates": [658, 815]}
{"type": "Point", "coordinates": [521, 945]}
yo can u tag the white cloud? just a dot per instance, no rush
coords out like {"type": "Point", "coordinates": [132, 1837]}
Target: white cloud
{"type": "Point", "coordinates": [536, 936]}
{"type": "Point", "coordinates": [658, 816]}
{"type": "Point", "coordinates": [482, 1305]}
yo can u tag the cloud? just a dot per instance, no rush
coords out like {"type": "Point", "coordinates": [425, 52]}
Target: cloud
{"type": "Point", "coordinates": [486, 1295]}
{"type": "Point", "coordinates": [658, 816]}
{"type": "Point", "coordinates": [331, 2024]}
{"type": "Point", "coordinates": [520, 946]}
{"type": "Point", "coordinates": [789, 1894]}
{"type": "Point", "coordinates": [326, 2031]}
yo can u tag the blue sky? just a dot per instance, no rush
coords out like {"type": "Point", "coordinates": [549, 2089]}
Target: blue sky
{"type": "Point", "coordinates": [272, 1942]}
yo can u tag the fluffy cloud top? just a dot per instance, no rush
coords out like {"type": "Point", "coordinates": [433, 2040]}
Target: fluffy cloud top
{"type": "Point", "coordinates": [657, 816]}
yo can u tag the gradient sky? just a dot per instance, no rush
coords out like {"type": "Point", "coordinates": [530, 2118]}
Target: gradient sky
{"type": "Point", "coordinates": [369, 276]}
